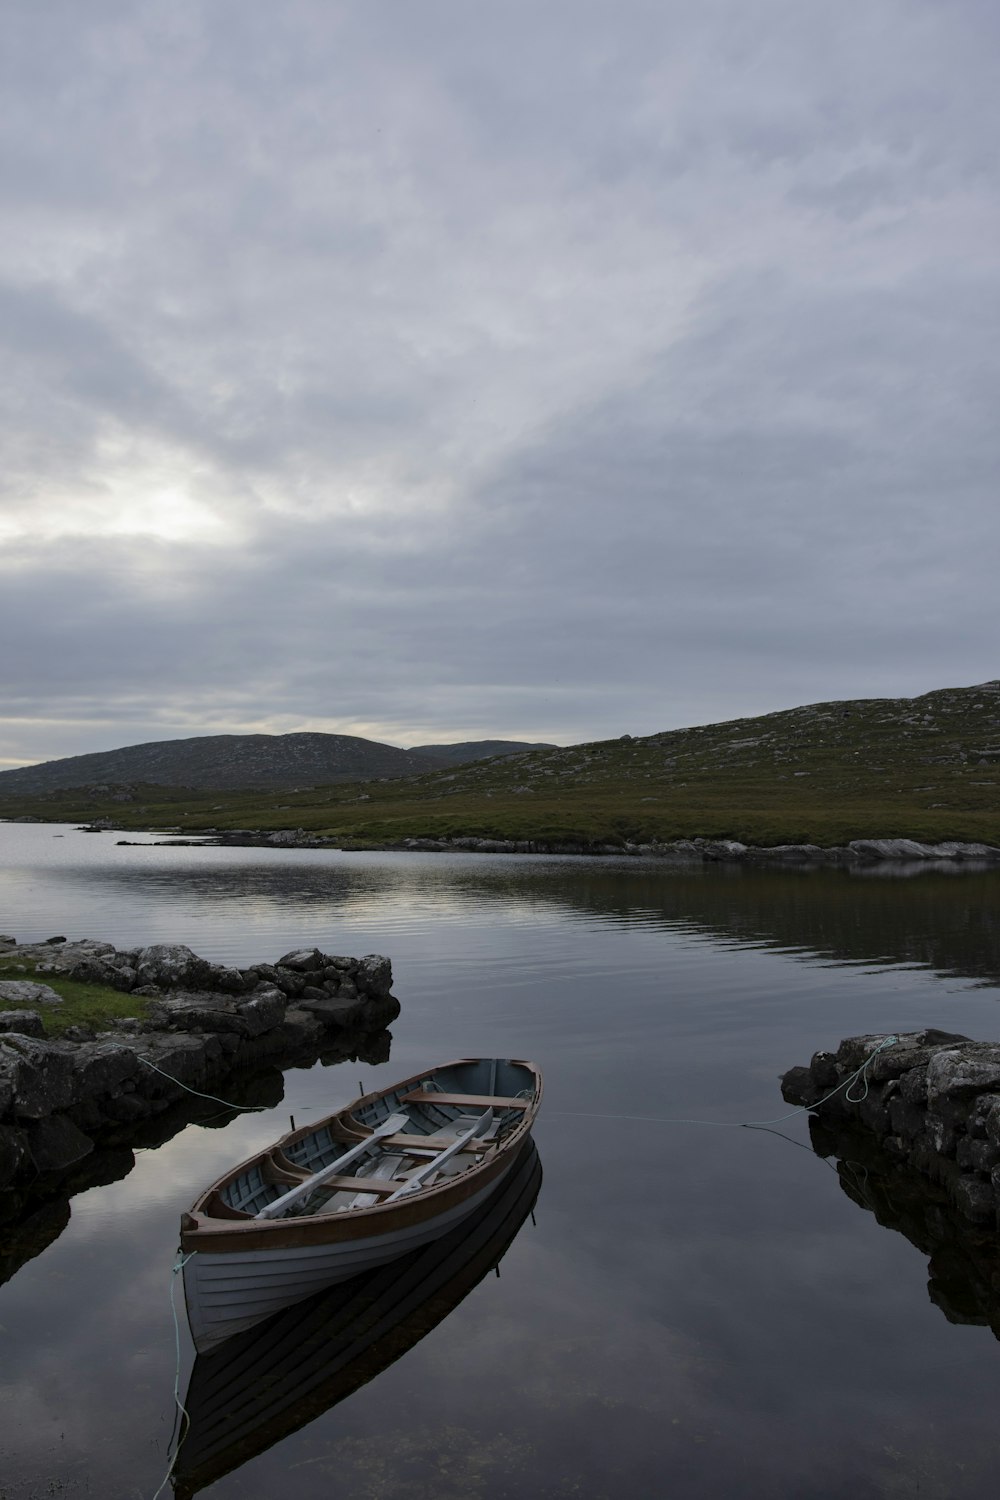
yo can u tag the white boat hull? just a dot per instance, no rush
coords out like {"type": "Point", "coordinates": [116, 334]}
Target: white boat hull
{"type": "Point", "coordinates": [229, 1292]}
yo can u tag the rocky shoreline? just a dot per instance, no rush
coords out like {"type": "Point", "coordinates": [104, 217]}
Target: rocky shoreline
{"type": "Point", "coordinates": [203, 1024]}
{"type": "Point", "coordinates": [859, 852]}
{"type": "Point", "coordinates": [929, 1100]}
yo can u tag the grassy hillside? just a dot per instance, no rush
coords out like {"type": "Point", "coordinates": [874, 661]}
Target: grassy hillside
{"type": "Point", "coordinates": [215, 761]}
{"type": "Point", "coordinates": [926, 768]}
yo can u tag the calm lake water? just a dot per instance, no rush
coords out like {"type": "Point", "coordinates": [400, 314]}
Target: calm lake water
{"type": "Point", "coordinates": [697, 1312]}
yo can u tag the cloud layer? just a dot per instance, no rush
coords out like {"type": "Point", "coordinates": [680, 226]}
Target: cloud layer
{"type": "Point", "coordinates": [436, 371]}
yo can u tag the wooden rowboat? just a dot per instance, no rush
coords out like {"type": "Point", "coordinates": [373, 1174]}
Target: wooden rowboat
{"type": "Point", "coordinates": [390, 1172]}
{"type": "Point", "coordinates": [262, 1385]}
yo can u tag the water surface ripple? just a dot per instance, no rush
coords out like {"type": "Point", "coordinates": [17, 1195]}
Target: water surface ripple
{"type": "Point", "coordinates": [698, 1311]}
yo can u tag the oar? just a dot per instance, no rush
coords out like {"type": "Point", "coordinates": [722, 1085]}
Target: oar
{"type": "Point", "coordinates": [416, 1178]}
{"type": "Point", "coordinates": [388, 1127]}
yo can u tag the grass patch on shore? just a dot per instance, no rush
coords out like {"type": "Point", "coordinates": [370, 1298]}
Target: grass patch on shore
{"type": "Point", "coordinates": [93, 1005]}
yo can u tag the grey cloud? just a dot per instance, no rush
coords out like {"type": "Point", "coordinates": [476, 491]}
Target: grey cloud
{"type": "Point", "coordinates": [554, 368]}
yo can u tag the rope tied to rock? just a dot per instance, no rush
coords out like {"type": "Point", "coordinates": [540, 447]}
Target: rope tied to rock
{"type": "Point", "coordinates": [845, 1083]}
{"type": "Point", "coordinates": [246, 1109]}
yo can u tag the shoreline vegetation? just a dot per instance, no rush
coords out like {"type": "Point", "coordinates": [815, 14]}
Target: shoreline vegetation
{"type": "Point", "coordinates": [825, 778]}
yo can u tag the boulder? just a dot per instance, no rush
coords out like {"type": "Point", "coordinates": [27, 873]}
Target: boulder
{"type": "Point", "coordinates": [186, 1059]}
{"type": "Point", "coordinates": [201, 1012]}
{"type": "Point", "coordinates": [172, 966]}
{"type": "Point", "coordinates": [289, 981]}
{"type": "Point", "coordinates": [374, 975]}
{"type": "Point", "coordinates": [229, 981]}
{"type": "Point", "coordinates": [972, 1070]}
{"type": "Point", "coordinates": [27, 992]}
{"type": "Point", "coordinates": [263, 1010]}
{"type": "Point", "coordinates": [103, 1067]}
{"type": "Point", "coordinates": [303, 960]}
{"type": "Point", "coordinates": [40, 1073]}
{"type": "Point", "coordinates": [97, 970]}
{"type": "Point", "coordinates": [301, 1029]}
{"type": "Point", "coordinates": [26, 1022]}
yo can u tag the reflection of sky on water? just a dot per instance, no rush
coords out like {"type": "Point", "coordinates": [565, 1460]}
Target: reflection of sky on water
{"type": "Point", "coordinates": [700, 1311]}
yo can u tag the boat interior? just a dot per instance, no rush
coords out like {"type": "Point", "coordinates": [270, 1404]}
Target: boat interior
{"type": "Point", "coordinates": [422, 1133]}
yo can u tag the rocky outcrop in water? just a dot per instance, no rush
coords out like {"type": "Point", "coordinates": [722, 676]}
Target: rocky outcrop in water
{"type": "Point", "coordinates": [201, 1023]}
{"type": "Point", "coordinates": [929, 1099]}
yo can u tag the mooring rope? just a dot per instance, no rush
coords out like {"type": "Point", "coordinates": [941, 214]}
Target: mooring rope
{"type": "Point", "coordinates": [182, 1412]}
{"type": "Point", "coordinates": [845, 1083]}
{"type": "Point", "coordinates": [246, 1109]}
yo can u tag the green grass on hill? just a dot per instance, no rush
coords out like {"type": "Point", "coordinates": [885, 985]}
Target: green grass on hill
{"type": "Point", "coordinates": [925, 768]}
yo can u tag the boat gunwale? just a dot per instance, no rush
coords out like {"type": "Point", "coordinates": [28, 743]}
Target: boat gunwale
{"type": "Point", "coordinates": [202, 1231]}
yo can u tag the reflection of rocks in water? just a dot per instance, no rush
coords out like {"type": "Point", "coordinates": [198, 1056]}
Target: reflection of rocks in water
{"type": "Point", "coordinates": [262, 1385]}
{"type": "Point", "coordinates": [35, 1232]}
{"type": "Point", "coordinates": [34, 1214]}
{"type": "Point", "coordinates": [963, 1260]}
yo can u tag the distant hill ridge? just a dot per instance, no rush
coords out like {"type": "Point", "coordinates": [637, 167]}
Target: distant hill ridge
{"type": "Point", "coordinates": [231, 762]}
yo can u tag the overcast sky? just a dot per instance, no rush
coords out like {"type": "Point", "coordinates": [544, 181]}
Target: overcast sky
{"type": "Point", "coordinates": [429, 370]}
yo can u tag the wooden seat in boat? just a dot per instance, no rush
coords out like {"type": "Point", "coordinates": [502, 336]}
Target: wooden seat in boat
{"type": "Point", "coordinates": [434, 1096]}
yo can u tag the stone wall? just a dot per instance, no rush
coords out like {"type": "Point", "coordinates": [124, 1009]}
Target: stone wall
{"type": "Point", "coordinates": [931, 1100]}
{"type": "Point", "coordinates": [203, 1023]}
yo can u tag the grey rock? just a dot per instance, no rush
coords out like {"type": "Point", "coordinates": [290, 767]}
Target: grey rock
{"type": "Point", "coordinates": [26, 1022]}
{"type": "Point", "coordinates": [301, 1029]}
{"type": "Point", "coordinates": [303, 960]}
{"type": "Point", "coordinates": [185, 1059]}
{"type": "Point", "coordinates": [951, 1072]}
{"type": "Point", "coordinates": [721, 849]}
{"type": "Point", "coordinates": [102, 1067]}
{"type": "Point", "coordinates": [78, 1034]}
{"type": "Point", "coordinates": [172, 966]}
{"type": "Point", "coordinates": [374, 975]}
{"type": "Point", "coordinates": [202, 1012]}
{"type": "Point", "coordinates": [799, 1086]}
{"type": "Point", "coordinates": [40, 1073]}
{"type": "Point", "coordinates": [27, 992]}
{"type": "Point", "coordinates": [263, 1011]}
{"type": "Point", "coordinates": [98, 970]}
{"type": "Point", "coordinates": [229, 981]}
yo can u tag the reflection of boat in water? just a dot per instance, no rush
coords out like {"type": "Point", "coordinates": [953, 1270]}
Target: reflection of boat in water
{"type": "Point", "coordinates": [265, 1383]}
{"type": "Point", "coordinates": [377, 1179]}
{"type": "Point", "coordinates": [963, 1259]}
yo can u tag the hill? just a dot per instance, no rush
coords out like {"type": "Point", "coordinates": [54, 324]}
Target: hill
{"type": "Point", "coordinates": [454, 755]}
{"type": "Point", "coordinates": [221, 762]}
{"type": "Point", "coordinates": [926, 768]}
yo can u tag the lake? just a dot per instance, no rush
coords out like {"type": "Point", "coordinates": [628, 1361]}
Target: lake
{"type": "Point", "coordinates": [697, 1310]}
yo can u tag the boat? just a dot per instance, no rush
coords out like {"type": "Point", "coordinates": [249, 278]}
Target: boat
{"type": "Point", "coordinates": [260, 1386]}
{"type": "Point", "coordinates": [386, 1174]}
